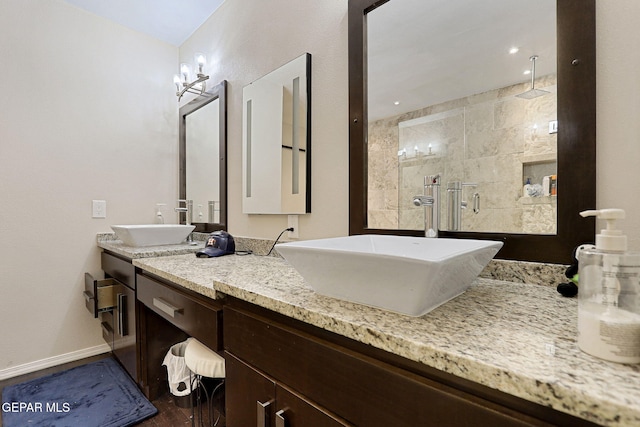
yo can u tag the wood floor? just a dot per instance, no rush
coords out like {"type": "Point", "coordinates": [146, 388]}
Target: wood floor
{"type": "Point", "coordinates": [169, 415]}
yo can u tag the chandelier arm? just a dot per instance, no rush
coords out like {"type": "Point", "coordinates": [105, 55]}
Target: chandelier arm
{"type": "Point", "coordinates": [189, 87]}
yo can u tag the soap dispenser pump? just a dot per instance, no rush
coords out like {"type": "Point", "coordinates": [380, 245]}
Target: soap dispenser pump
{"type": "Point", "coordinates": [609, 295]}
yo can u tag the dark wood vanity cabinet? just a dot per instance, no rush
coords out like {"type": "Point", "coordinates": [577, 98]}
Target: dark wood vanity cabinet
{"type": "Point", "coordinates": [169, 314]}
{"type": "Point", "coordinates": [271, 358]}
{"type": "Point", "coordinates": [113, 300]}
{"type": "Point", "coordinates": [123, 317]}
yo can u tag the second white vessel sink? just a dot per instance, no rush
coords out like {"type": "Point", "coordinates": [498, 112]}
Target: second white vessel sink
{"type": "Point", "coordinates": [408, 275]}
{"type": "Point", "coordinates": [152, 234]}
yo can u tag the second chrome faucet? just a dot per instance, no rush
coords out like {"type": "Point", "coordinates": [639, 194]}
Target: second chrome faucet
{"type": "Point", "coordinates": [431, 201]}
{"type": "Point", "coordinates": [188, 210]}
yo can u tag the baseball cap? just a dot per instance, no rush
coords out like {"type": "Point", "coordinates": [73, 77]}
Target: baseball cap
{"type": "Point", "coordinates": [219, 243]}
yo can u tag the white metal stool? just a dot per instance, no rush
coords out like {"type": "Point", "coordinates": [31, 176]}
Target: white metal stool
{"type": "Point", "coordinates": [203, 362]}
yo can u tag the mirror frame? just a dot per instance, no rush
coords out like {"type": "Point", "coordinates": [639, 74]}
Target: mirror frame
{"type": "Point", "coordinates": [576, 137]}
{"type": "Point", "coordinates": [217, 92]}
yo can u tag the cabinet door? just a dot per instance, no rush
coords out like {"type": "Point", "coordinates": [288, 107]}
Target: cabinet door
{"type": "Point", "coordinates": [249, 395]}
{"type": "Point", "coordinates": [124, 341]}
{"type": "Point", "coordinates": [292, 410]}
{"type": "Point", "coordinates": [365, 391]}
{"type": "Point", "coordinates": [255, 400]}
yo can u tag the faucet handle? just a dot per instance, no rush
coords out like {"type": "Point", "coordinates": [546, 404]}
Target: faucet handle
{"type": "Point", "coordinates": [423, 200]}
{"type": "Point", "coordinates": [432, 179]}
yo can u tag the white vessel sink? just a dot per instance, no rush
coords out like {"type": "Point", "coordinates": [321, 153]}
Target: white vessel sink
{"type": "Point", "coordinates": [152, 234]}
{"type": "Point", "coordinates": [409, 275]}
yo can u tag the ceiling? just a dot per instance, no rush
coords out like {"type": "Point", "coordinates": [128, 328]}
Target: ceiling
{"type": "Point", "coordinates": [171, 21]}
{"type": "Point", "coordinates": [422, 53]}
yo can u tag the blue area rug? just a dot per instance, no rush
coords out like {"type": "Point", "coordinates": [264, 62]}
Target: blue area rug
{"type": "Point", "coordinates": [96, 394]}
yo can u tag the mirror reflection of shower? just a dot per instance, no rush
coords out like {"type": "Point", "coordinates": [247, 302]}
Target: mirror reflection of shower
{"type": "Point", "coordinates": [533, 92]}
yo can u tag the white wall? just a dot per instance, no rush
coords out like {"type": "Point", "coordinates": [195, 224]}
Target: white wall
{"type": "Point", "coordinates": [246, 39]}
{"type": "Point", "coordinates": [87, 111]}
{"type": "Point", "coordinates": [249, 38]}
{"type": "Point", "coordinates": [95, 119]}
{"type": "Point", "coordinates": [618, 112]}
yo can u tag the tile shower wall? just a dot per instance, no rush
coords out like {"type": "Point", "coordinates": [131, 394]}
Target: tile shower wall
{"type": "Point", "coordinates": [484, 139]}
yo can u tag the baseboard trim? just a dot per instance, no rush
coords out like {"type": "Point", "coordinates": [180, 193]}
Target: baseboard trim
{"type": "Point", "coordinates": [49, 362]}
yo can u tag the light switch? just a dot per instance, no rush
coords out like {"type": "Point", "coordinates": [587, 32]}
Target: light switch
{"type": "Point", "coordinates": [99, 208]}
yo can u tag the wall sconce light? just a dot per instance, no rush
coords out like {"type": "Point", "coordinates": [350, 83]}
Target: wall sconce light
{"type": "Point", "coordinates": [417, 153]}
{"type": "Point", "coordinates": [182, 82]}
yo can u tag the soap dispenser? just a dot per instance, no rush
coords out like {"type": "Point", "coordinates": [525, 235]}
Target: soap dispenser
{"type": "Point", "coordinates": [609, 294]}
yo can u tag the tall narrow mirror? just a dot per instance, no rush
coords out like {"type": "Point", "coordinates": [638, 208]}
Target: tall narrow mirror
{"type": "Point", "coordinates": [203, 141]}
{"type": "Point", "coordinates": [276, 141]}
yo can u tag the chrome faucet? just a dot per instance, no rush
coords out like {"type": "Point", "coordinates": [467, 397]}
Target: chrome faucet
{"type": "Point", "coordinates": [431, 202]}
{"type": "Point", "coordinates": [188, 210]}
{"type": "Point", "coordinates": [455, 204]}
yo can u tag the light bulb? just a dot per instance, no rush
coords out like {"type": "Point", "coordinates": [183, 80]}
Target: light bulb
{"type": "Point", "coordinates": [185, 72]}
{"type": "Point", "coordinates": [176, 81]}
{"type": "Point", "coordinates": [201, 60]}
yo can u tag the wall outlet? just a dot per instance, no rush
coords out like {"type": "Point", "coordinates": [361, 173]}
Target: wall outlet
{"type": "Point", "coordinates": [99, 208]}
{"type": "Point", "coordinates": [293, 222]}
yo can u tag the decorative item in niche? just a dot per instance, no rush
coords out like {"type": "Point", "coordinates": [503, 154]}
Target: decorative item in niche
{"type": "Point", "coordinates": [276, 141]}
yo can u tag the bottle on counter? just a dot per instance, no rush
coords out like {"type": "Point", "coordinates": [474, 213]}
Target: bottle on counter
{"type": "Point", "coordinates": [546, 185]}
{"type": "Point", "coordinates": [609, 294]}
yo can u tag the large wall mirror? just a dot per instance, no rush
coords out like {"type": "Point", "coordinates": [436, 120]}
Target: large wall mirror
{"type": "Point", "coordinates": [438, 87]}
{"type": "Point", "coordinates": [203, 158]}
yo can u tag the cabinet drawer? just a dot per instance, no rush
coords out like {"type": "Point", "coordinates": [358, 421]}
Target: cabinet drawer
{"type": "Point", "coordinates": [121, 270]}
{"type": "Point", "coordinates": [362, 390]}
{"type": "Point", "coordinates": [100, 295]}
{"type": "Point", "coordinates": [199, 318]}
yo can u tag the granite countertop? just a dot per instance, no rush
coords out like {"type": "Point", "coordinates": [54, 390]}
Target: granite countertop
{"type": "Point", "coordinates": [109, 242]}
{"type": "Point", "coordinates": [514, 337]}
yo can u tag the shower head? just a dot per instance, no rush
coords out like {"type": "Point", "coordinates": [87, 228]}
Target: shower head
{"type": "Point", "coordinates": [533, 92]}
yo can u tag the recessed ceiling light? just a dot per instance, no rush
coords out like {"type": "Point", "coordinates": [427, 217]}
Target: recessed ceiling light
{"type": "Point", "coordinates": [513, 50]}
{"type": "Point", "coordinates": [527, 72]}
{"type": "Point", "coordinates": [396, 103]}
